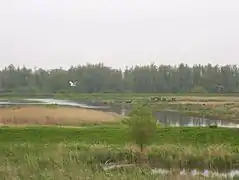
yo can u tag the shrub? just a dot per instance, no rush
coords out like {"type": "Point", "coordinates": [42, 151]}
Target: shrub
{"type": "Point", "coordinates": [142, 125]}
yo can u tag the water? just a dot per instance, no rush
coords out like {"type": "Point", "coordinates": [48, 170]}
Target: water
{"type": "Point", "coordinates": [206, 173]}
{"type": "Point", "coordinates": [50, 101]}
{"type": "Point", "coordinates": [167, 118]}
{"type": "Point", "coordinates": [67, 103]}
{"type": "Point", "coordinates": [172, 118]}
{"type": "Point", "coordinates": [183, 172]}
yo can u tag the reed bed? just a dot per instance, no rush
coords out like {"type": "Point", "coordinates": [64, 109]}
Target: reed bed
{"type": "Point", "coordinates": [164, 156]}
{"type": "Point", "coordinates": [54, 115]}
{"type": "Point", "coordinates": [75, 161]}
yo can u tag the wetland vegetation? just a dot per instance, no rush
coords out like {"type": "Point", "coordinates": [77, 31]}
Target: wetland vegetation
{"type": "Point", "coordinates": [27, 151]}
{"type": "Point", "coordinates": [40, 141]}
{"type": "Point", "coordinates": [54, 115]}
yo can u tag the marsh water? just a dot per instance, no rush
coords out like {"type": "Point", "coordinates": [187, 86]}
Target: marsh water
{"type": "Point", "coordinates": [167, 118]}
{"type": "Point", "coordinates": [231, 174]}
{"type": "Point", "coordinates": [205, 173]}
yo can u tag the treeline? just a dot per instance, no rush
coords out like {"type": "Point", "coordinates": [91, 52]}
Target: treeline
{"type": "Point", "coordinates": [93, 78]}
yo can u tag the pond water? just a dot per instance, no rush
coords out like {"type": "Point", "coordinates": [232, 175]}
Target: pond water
{"type": "Point", "coordinates": [167, 118]}
{"type": "Point", "coordinates": [174, 118]}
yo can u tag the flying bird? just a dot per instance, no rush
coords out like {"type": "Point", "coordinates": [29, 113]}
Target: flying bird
{"type": "Point", "coordinates": [72, 84]}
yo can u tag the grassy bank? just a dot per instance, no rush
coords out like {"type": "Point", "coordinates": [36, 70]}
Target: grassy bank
{"type": "Point", "coordinates": [133, 98]}
{"type": "Point", "coordinates": [123, 96]}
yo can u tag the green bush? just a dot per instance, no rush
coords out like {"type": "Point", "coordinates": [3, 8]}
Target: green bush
{"type": "Point", "coordinates": [142, 125]}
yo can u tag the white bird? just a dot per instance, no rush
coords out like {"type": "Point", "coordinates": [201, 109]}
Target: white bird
{"type": "Point", "coordinates": [72, 84]}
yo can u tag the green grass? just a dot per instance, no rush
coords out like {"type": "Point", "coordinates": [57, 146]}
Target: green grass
{"type": "Point", "coordinates": [64, 153]}
{"type": "Point", "coordinates": [108, 95]}
{"type": "Point", "coordinates": [117, 134]}
{"type": "Point", "coordinates": [65, 161]}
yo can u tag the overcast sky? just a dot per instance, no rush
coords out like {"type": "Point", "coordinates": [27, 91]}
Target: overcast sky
{"type": "Point", "coordinates": [54, 33]}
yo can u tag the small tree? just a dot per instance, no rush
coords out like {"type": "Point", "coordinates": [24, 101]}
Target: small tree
{"type": "Point", "coordinates": [142, 125]}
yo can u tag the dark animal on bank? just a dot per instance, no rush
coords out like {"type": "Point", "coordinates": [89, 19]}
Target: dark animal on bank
{"type": "Point", "coordinates": [213, 126]}
{"type": "Point", "coordinates": [128, 101]}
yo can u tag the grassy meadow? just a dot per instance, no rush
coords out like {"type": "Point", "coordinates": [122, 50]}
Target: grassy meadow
{"type": "Point", "coordinates": [56, 142]}
{"type": "Point", "coordinates": [47, 152]}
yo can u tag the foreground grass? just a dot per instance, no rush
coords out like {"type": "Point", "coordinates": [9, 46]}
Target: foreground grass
{"type": "Point", "coordinates": [69, 161]}
{"type": "Point", "coordinates": [118, 135]}
{"type": "Point", "coordinates": [172, 147]}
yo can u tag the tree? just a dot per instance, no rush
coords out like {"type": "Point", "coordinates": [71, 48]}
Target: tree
{"type": "Point", "coordinates": [142, 125]}
{"type": "Point", "coordinates": [98, 78]}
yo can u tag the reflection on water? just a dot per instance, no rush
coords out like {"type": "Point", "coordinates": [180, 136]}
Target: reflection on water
{"type": "Point", "coordinates": [167, 118]}
{"type": "Point", "coordinates": [50, 101]}
{"type": "Point", "coordinates": [171, 118]}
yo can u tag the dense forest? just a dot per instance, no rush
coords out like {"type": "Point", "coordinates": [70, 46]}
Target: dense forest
{"type": "Point", "coordinates": [94, 78]}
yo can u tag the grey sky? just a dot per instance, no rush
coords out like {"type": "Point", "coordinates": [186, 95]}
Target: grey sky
{"type": "Point", "coordinates": [54, 33]}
